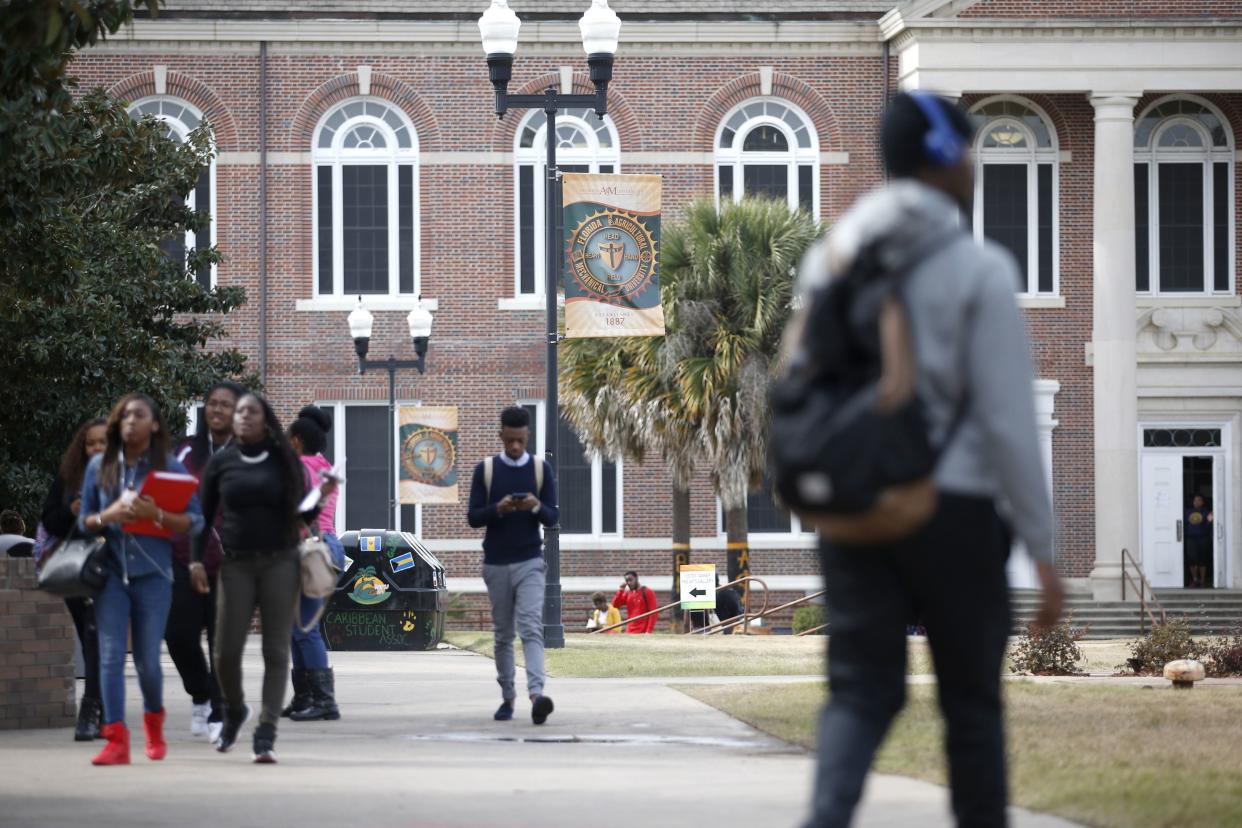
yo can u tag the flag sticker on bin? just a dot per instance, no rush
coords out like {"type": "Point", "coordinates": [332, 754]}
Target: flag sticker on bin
{"type": "Point", "coordinates": [369, 543]}
{"type": "Point", "coordinates": [402, 562]}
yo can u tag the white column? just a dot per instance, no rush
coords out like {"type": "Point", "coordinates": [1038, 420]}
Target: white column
{"type": "Point", "coordinates": [1113, 342]}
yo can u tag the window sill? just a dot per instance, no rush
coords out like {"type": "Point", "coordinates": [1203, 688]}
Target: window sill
{"type": "Point", "coordinates": [372, 302]}
{"type": "Point", "coordinates": [1041, 302]}
{"type": "Point", "coordinates": [1223, 300]}
{"type": "Point", "coordinates": [526, 303]}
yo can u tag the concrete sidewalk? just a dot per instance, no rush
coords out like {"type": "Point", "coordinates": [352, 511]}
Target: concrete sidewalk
{"type": "Point", "coordinates": [417, 747]}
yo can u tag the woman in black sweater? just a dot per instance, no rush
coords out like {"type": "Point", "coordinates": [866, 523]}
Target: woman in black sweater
{"type": "Point", "coordinates": [255, 486]}
{"type": "Point", "coordinates": [59, 519]}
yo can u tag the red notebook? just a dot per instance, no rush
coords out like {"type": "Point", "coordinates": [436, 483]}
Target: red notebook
{"type": "Point", "coordinates": [171, 492]}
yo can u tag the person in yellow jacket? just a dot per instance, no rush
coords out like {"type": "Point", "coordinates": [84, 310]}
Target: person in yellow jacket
{"type": "Point", "coordinates": [604, 614]}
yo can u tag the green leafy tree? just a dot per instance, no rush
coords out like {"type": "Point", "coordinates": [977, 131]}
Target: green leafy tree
{"type": "Point", "coordinates": [92, 307]}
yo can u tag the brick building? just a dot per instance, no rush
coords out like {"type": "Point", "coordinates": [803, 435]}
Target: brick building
{"type": "Point", "coordinates": [357, 153]}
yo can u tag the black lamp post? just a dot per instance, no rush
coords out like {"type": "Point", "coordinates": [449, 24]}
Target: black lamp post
{"type": "Point", "coordinates": [600, 29]}
{"type": "Point", "coordinates": [360, 324]}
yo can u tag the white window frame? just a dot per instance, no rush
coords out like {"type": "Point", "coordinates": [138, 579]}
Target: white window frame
{"type": "Point", "coordinates": [794, 157]}
{"type": "Point", "coordinates": [597, 480]}
{"type": "Point", "coordinates": [337, 436]}
{"type": "Point", "coordinates": [1033, 156]}
{"type": "Point", "coordinates": [796, 531]}
{"type": "Point", "coordinates": [337, 157]}
{"type": "Point", "coordinates": [182, 131]}
{"type": "Point", "coordinates": [1152, 154]}
{"type": "Point", "coordinates": [536, 155]}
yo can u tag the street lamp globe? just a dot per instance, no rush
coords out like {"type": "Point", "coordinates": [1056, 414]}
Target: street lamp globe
{"type": "Point", "coordinates": [361, 321]}
{"type": "Point", "coordinates": [498, 28]}
{"type": "Point", "coordinates": [419, 321]}
{"type": "Point", "coordinates": [601, 29]}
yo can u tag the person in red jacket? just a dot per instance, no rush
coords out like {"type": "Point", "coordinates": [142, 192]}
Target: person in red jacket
{"type": "Point", "coordinates": [636, 599]}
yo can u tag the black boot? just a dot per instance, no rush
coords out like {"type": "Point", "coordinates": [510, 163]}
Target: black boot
{"type": "Point", "coordinates": [323, 707]}
{"type": "Point", "coordinates": [87, 728]}
{"type": "Point", "coordinates": [302, 696]}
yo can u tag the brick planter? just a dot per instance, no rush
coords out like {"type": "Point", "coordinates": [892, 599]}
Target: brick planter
{"type": "Point", "coordinates": [36, 652]}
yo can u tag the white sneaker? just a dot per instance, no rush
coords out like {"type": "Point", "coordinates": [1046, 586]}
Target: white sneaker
{"type": "Point", "coordinates": [213, 731]}
{"type": "Point", "coordinates": [198, 719]}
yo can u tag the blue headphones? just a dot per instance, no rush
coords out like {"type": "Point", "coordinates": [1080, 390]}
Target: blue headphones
{"type": "Point", "coordinates": [942, 145]}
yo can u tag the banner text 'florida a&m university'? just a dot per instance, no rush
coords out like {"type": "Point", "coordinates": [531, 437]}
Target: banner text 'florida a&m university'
{"type": "Point", "coordinates": [612, 255]}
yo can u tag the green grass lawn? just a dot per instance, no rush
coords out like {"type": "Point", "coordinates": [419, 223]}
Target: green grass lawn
{"type": "Point", "coordinates": [610, 656]}
{"type": "Point", "coordinates": [1102, 755]}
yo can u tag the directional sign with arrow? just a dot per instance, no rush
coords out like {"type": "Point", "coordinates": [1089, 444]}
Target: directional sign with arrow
{"type": "Point", "coordinates": [698, 586]}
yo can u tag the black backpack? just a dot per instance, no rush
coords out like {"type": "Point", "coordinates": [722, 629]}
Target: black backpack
{"type": "Point", "coordinates": [849, 447]}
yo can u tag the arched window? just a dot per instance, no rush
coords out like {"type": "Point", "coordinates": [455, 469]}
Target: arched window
{"type": "Point", "coordinates": [180, 119]}
{"type": "Point", "coordinates": [365, 157]}
{"type": "Point", "coordinates": [1016, 188]}
{"type": "Point", "coordinates": [768, 147]}
{"type": "Point", "coordinates": [584, 143]}
{"type": "Point", "coordinates": [1183, 199]}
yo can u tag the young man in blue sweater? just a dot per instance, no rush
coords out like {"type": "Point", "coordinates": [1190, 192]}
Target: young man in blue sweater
{"type": "Point", "coordinates": [511, 496]}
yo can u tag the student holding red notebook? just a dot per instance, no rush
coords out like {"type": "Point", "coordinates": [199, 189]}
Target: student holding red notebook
{"type": "Point", "coordinates": [138, 591]}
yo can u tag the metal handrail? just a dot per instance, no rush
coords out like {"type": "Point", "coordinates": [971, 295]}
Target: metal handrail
{"type": "Point", "coordinates": [1143, 586]}
{"type": "Point", "coordinates": [722, 626]}
{"type": "Point", "coordinates": [745, 618]}
{"type": "Point", "coordinates": [811, 631]}
{"type": "Point", "coordinates": [658, 610]}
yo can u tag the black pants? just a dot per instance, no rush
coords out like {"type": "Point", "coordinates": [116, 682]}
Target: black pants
{"type": "Point", "coordinates": [82, 611]}
{"type": "Point", "coordinates": [191, 614]}
{"type": "Point", "coordinates": [950, 577]}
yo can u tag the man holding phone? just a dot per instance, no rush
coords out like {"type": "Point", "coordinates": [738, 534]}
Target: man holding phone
{"type": "Point", "coordinates": [511, 494]}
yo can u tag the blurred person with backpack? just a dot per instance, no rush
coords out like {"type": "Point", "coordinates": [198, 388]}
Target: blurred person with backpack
{"type": "Point", "coordinates": [903, 420]}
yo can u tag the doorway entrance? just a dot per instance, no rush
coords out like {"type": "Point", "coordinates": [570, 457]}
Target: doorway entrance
{"type": "Point", "coordinates": [1182, 540]}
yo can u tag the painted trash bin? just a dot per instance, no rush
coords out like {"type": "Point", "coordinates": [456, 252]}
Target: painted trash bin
{"type": "Point", "coordinates": [391, 595]}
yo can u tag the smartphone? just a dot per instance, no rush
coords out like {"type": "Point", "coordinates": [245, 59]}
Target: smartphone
{"type": "Point", "coordinates": [520, 495]}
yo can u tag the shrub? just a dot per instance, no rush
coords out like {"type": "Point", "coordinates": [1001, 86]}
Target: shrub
{"type": "Point", "coordinates": [1223, 657]}
{"type": "Point", "coordinates": [1049, 651]}
{"type": "Point", "coordinates": [808, 618]}
{"type": "Point", "coordinates": [1166, 642]}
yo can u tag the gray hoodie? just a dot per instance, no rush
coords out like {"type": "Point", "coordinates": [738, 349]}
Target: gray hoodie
{"type": "Point", "coordinates": [969, 339]}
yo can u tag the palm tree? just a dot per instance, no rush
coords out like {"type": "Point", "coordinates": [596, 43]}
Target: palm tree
{"type": "Point", "coordinates": [728, 279]}
{"type": "Point", "coordinates": [620, 398]}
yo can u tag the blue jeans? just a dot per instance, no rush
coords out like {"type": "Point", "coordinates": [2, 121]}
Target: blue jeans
{"type": "Point", "coordinates": [309, 652]}
{"type": "Point", "coordinates": [144, 604]}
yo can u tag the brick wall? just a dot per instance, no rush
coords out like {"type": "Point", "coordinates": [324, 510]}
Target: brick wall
{"type": "Point", "coordinates": [473, 613]}
{"type": "Point", "coordinates": [36, 652]}
{"type": "Point", "coordinates": [481, 357]}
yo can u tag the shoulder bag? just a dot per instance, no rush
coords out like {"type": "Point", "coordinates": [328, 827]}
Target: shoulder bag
{"type": "Point", "coordinates": [319, 574]}
{"type": "Point", "coordinates": [75, 569]}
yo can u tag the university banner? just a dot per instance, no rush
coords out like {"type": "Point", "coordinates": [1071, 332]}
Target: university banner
{"type": "Point", "coordinates": [428, 452]}
{"type": "Point", "coordinates": [612, 255]}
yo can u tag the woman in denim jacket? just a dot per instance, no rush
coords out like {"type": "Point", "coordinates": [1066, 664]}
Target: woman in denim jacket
{"type": "Point", "coordinates": [138, 591]}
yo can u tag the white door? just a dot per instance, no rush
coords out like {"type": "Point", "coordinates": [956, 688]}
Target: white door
{"type": "Point", "coordinates": [1021, 568]}
{"type": "Point", "coordinates": [1220, 578]}
{"type": "Point", "coordinates": [1162, 519]}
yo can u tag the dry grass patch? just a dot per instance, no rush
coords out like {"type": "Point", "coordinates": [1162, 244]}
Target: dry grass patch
{"type": "Point", "coordinates": [619, 656]}
{"type": "Point", "coordinates": [1103, 755]}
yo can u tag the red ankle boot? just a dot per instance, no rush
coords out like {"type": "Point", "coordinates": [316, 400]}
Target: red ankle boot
{"type": "Point", "coordinates": [153, 725]}
{"type": "Point", "coordinates": [116, 751]}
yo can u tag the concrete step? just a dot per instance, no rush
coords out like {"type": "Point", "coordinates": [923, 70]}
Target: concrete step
{"type": "Point", "coordinates": [1210, 611]}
